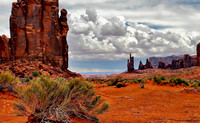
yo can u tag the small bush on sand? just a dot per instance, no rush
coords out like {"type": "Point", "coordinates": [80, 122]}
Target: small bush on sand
{"type": "Point", "coordinates": [157, 80]}
{"type": "Point", "coordinates": [120, 85]}
{"type": "Point", "coordinates": [35, 74]}
{"type": "Point", "coordinates": [114, 82]}
{"type": "Point", "coordinates": [7, 81]}
{"type": "Point", "coordinates": [57, 99]}
{"type": "Point", "coordinates": [195, 85]}
{"type": "Point", "coordinates": [104, 107]}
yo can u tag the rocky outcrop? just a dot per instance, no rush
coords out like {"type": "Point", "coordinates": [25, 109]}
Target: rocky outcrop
{"type": "Point", "coordinates": [141, 66]}
{"type": "Point", "coordinates": [130, 64]}
{"type": "Point", "coordinates": [5, 50]}
{"type": "Point", "coordinates": [198, 54]}
{"type": "Point", "coordinates": [22, 68]}
{"type": "Point", "coordinates": [161, 65]}
{"type": "Point", "coordinates": [167, 60]}
{"type": "Point", "coordinates": [37, 32]}
{"type": "Point", "coordinates": [146, 66]}
{"type": "Point", "coordinates": [185, 62]}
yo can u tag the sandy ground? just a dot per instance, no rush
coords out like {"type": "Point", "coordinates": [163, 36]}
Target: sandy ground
{"type": "Point", "coordinates": [131, 104]}
{"type": "Point", "coordinates": [153, 104]}
{"type": "Point", "coordinates": [7, 112]}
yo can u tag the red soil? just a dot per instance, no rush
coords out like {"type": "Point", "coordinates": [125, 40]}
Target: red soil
{"type": "Point", "coordinates": [154, 103]}
{"type": "Point", "coordinates": [7, 112]}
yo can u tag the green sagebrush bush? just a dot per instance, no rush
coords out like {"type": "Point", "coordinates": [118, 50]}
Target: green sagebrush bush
{"type": "Point", "coordinates": [57, 99]}
{"type": "Point", "coordinates": [7, 81]}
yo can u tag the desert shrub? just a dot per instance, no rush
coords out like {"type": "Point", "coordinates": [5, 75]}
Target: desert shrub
{"type": "Point", "coordinates": [162, 78]}
{"type": "Point", "coordinates": [35, 74]}
{"type": "Point", "coordinates": [27, 78]}
{"type": "Point", "coordinates": [7, 81]}
{"type": "Point", "coordinates": [171, 80]}
{"type": "Point", "coordinates": [134, 81]}
{"type": "Point", "coordinates": [104, 107]}
{"type": "Point", "coordinates": [114, 82]}
{"type": "Point", "coordinates": [120, 84]}
{"type": "Point", "coordinates": [194, 85]}
{"type": "Point", "coordinates": [157, 80]}
{"type": "Point", "coordinates": [57, 99]}
{"type": "Point", "coordinates": [179, 81]}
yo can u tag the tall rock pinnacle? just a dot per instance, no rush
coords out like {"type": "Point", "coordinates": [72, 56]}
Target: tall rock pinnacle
{"type": "Point", "coordinates": [37, 32]}
{"type": "Point", "coordinates": [130, 64]}
{"type": "Point", "coordinates": [198, 54]}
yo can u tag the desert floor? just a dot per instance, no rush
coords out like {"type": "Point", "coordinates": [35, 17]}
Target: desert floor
{"type": "Point", "coordinates": [154, 103]}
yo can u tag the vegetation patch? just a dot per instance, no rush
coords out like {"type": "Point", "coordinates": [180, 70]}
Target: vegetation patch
{"type": "Point", "coordinates": [57, 99]}
{"type": "Point", "coordinates": [7, 81]}
{"type": "Point", "coordinates": [104, 107]}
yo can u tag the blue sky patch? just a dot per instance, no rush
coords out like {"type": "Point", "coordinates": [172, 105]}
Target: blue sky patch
{"type": "Point", "coordinates": [152, 26]}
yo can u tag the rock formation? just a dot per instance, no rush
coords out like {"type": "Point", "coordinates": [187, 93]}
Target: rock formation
{"type": "Point", "coordinates": [5, 50]}
{"type": "Point", "coordinates": [146, 66]}
{"type": "Point", "coordinates": [141, 66]}
{"type": "Point", "coordinates": [130, 64]}
{"type": "Point", "coordinates": [161, 65]}
{"type": "Point", "coordinates": [37, 32]}
{"type": "Point", "coordinates": [185, 62]}
{"type": "Point", "coordinates": [198, 54]}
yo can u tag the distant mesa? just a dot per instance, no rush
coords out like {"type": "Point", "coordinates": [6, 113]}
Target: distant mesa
{"type": "Point", "coordinates": [169, 62]}
{"type": "Point", "coordinates": [184, 62]}
{"type": "Point", "coordinates": [37, 33]}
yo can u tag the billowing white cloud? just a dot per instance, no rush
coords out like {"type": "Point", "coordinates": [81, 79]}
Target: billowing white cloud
{"type": "Point", "coordinates": [103, 34]}
{"type": "Point", "coordinates": [114, 38]}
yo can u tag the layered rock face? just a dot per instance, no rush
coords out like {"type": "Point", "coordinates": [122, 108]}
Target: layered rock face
{"type": "Point", "coordinates": [167, 60]}
{"type": "Point", "coordinates": [37, 32]}
{"type": "Point", "coordinates": [130, 64]}
{"type": "Point", "coordinates": [5, 50]}
{"type": "Point", "coordinates": [185, 62]}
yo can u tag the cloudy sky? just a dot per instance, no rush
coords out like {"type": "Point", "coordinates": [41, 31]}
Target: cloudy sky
{"type": "Point", "coordinates": [104, 32]}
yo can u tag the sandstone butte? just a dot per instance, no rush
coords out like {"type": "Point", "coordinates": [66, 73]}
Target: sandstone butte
{"type": "Point", "coordinates": [37, 32]}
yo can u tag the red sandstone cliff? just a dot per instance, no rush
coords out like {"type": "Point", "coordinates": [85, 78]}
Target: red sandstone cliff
{"type": "Point", "coordinates": [37, 32]}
